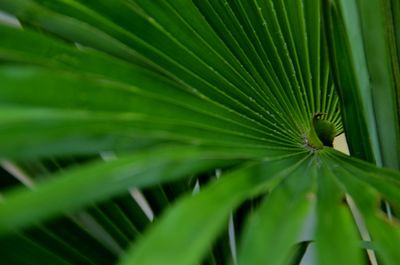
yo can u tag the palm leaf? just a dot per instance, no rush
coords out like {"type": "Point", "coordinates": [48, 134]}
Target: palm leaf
{"type": "Point", "coordinates": [100, 97]}
{"type": "Point", "coordinates": [364, 33]}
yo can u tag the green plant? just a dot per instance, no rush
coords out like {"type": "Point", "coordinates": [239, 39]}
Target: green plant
{"type": "Point", "coordinates": [99, 97]}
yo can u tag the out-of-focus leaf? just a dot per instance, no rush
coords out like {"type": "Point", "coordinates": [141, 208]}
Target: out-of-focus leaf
{"type": "Point", "coordinates": [352, 79]}
{"type": "Point", "coordinates": [386, 181]}
{"type": "Point", "coordinates": [333, 215]}
{"type": "Point", "coordinates": [149, 167]}
{"type": "Point", "coordinates": [366, 69]}
{"type": "Point", "coordinates": [385, 234]}
{"type": "Point", "coordinates": [273, 229]}
{"type": "Point", "coordinates": [28, 251]}
{"type": "Point", "coordinates": [383, 67]}
{"type": "Point", "coordinates": [200, 217]}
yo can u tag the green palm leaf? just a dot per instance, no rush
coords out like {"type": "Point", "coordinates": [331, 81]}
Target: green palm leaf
{"type": "Point", "coordinates": [119, 112]}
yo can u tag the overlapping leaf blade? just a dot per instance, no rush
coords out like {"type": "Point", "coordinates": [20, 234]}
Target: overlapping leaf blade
{"type": "Point", "coordinates": [143, 169]}
{"type": "Point", "coordinates": [385, 233]}
{"type": "Point", "coordinates": [334, 248]}
{"type": "Point", "coordinates": [272, 230]}
{"type": "Point", "coordinates": [209, 209]}
{"type": "Point", "coordinates": [367, 79]}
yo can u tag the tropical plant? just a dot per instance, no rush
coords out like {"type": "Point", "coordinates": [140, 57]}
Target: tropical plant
{"type": "Point", "coordinates": [218, 116]}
